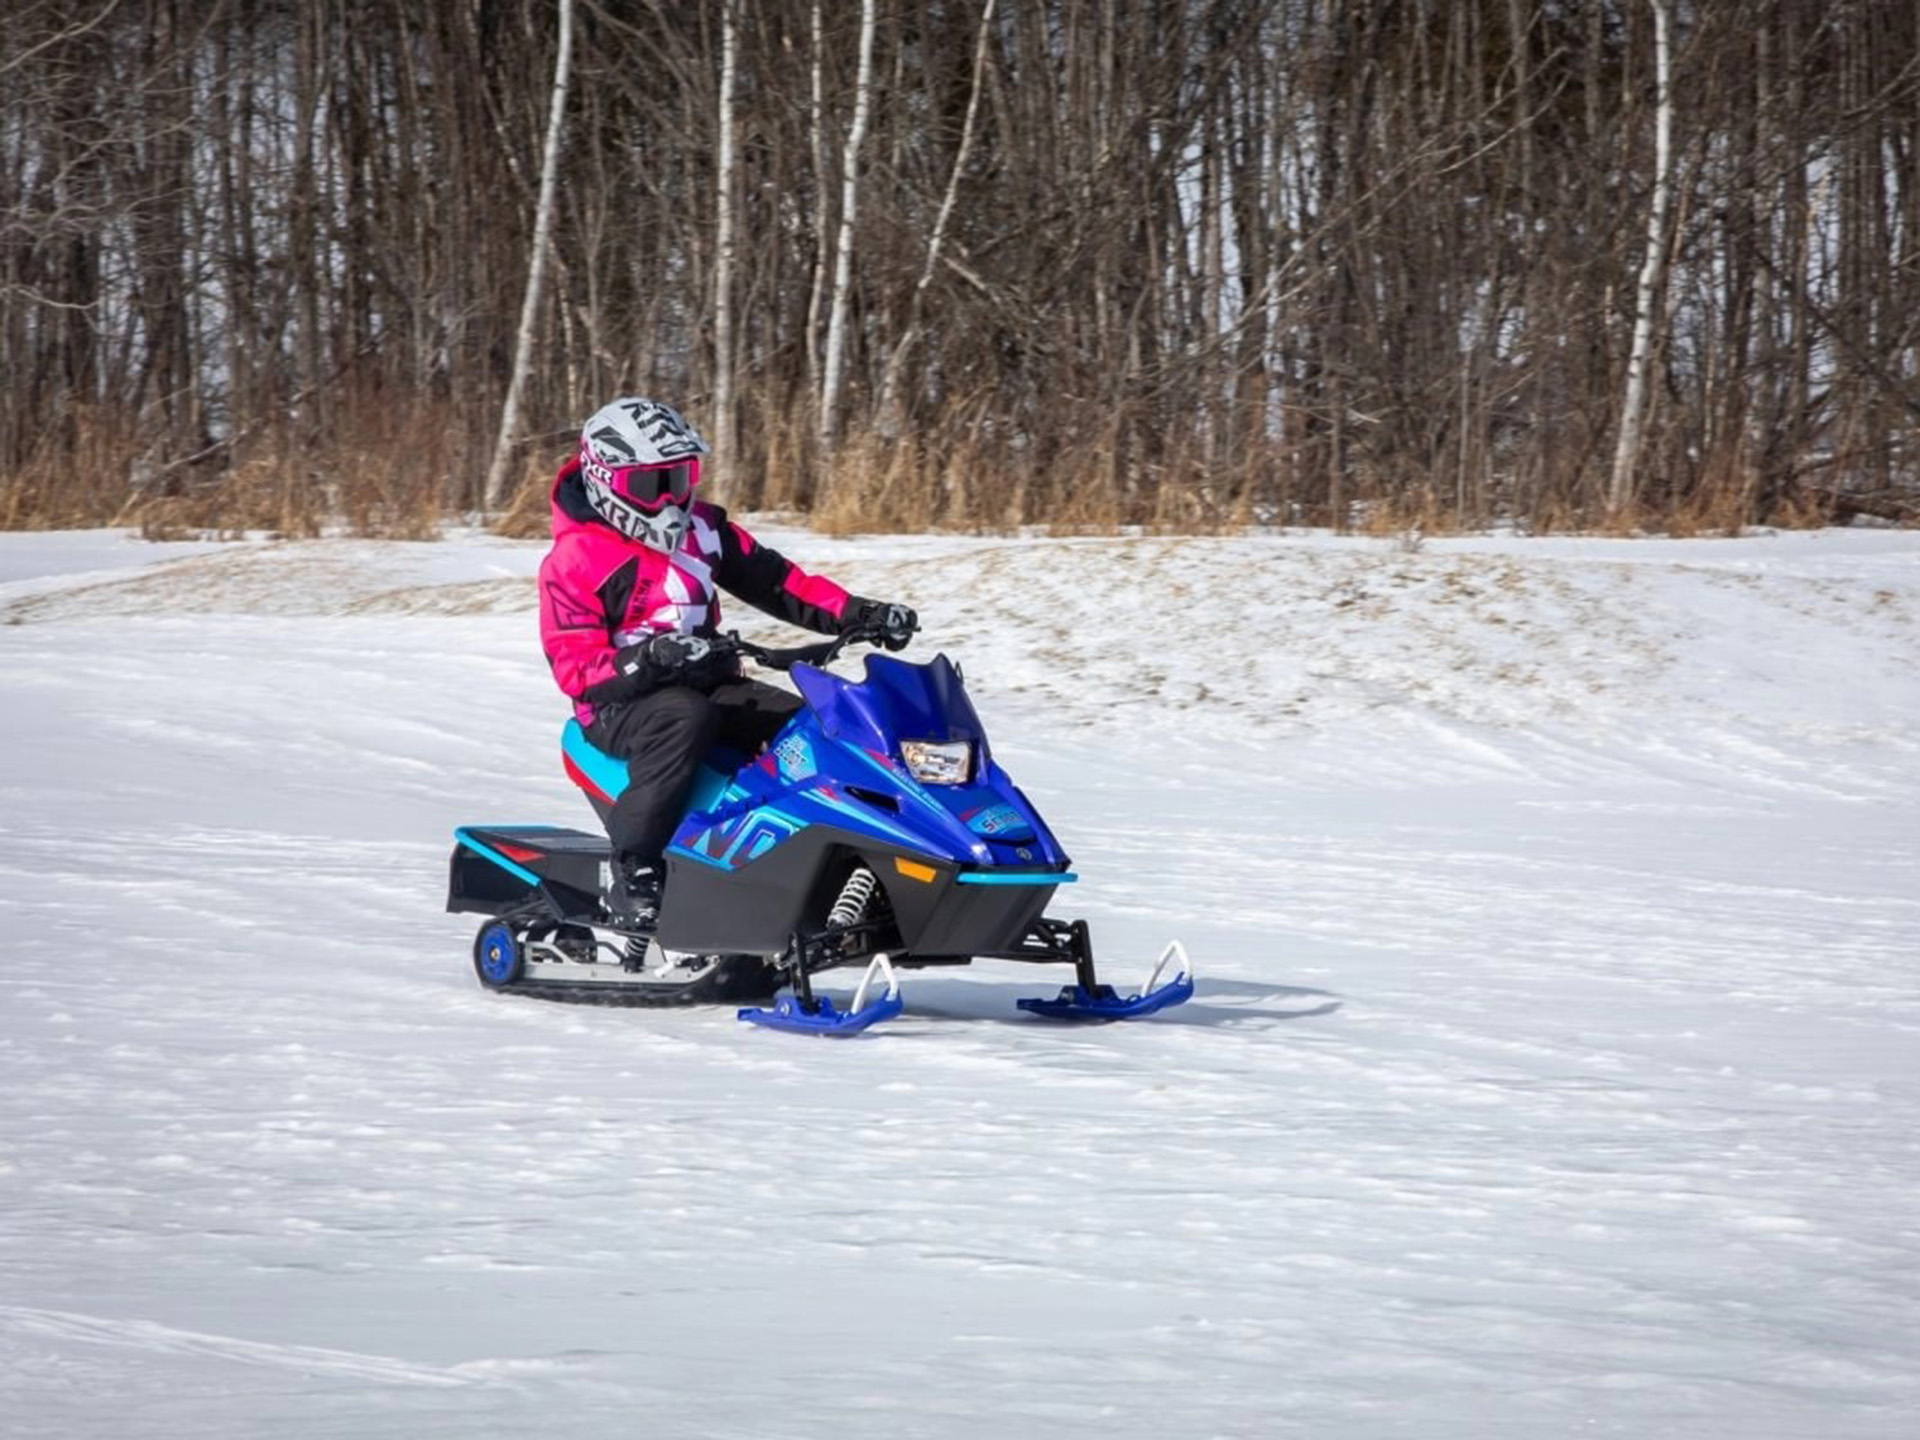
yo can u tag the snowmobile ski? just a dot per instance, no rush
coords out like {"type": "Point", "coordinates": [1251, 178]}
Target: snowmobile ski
{"type": "Point", "coordinates": [1102, 1002]}
{"type": "Point", "coordinates": [822, 1017]}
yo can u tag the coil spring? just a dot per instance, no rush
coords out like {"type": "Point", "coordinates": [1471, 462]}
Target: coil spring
{"type": "Point", "coordinates": [854, 895]}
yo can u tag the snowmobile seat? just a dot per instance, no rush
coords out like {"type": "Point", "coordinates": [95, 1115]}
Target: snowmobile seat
{"type": "Point", "coordinates": [603, 776]}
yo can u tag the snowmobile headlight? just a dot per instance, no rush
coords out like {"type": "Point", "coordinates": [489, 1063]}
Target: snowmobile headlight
{"type": "Point", "coordinates": [938, 762]}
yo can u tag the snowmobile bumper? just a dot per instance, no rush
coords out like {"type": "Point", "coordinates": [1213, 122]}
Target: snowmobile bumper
{"type": "Point", "coordinates": [497, 868]}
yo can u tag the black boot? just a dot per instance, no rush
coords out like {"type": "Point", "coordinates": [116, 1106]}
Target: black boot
{"type": "Point", "coordinates": [633, 899]}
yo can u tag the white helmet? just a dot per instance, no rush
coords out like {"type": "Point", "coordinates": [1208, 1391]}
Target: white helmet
{"type": "Point", "coordinates": [640, 460]}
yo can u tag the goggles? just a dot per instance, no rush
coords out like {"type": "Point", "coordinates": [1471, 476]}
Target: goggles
{"type": "Point", "coordinates": [651, 487]}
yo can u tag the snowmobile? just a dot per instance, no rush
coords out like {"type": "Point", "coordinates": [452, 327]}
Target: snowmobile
{"type": "Point", "coordinates": [874, 829]}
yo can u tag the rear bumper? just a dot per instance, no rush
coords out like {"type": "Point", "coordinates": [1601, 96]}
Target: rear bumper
{"type": "Point", "coordinates": [496, 868]}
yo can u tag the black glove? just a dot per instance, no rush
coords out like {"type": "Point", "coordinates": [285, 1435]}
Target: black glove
{"type": "Point", "coordinates": [889, 623]}
{"type": "Point", "coordinates": [673, 660]}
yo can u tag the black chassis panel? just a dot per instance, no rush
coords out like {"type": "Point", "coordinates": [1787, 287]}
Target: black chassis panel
{"type": "Point", "coordinates": [973, 919]}
{"type": "Point", "coordinates": [568, 862]}
{"type": "Point", "coordinates": [756, 907]}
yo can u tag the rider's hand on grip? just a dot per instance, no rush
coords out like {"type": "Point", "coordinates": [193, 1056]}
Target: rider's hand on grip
{"type": "Point", "coordinates": [890, 623]}
{"type": "Point", "coordinates": [664, 657]}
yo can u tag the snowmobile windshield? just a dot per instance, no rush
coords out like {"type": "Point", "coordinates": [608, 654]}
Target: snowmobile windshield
{"type": "Point", "coordinates": [898, 700]}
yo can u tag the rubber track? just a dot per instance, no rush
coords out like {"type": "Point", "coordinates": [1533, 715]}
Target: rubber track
{"type": "Point", "coordinates": [738, 977]}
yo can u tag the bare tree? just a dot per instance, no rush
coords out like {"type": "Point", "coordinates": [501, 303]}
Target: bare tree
{"type": "Point", "coordinates": [1626, 453]}
{"type": "Point", "coordinates": [724, 181]}
{"type": "Point", "coordinates": [1097, 261]}
{"type": "Point", "coordinates": [536, 262]}
{"type": "Point", "coordinates": [817, 151]}
{"type": "Point", "coordinates": [835, 363]}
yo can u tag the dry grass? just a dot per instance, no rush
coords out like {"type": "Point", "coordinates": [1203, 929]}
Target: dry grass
{"type": "Point", "coordinates": [397, 466]}
{"type": "Point", "coordinates": [263, 493]}
{"type": "Point", "coordinates": [528, 512]}
{"type": "Point", "coordinates": [878, 483]}
{"type": "Point", "coordinates": [75, 476]}
{"type": "Point", "coordinates": [386, 481]}
{"type": "Point", "coordinates": [1409, 517]}
{"type": "Point", "coordinates": [1799, 509]}
{"type": "Point", "coordinates": [388, 472]}
{"type": "Point", "coordinates": [786, 459]}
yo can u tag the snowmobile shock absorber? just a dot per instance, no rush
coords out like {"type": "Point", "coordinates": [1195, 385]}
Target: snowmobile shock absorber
{"type": "Point", "coordinates": [854, 896]}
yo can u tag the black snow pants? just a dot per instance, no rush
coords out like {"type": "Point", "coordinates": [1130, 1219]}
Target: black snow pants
{"type": "Point", "coordinates": [662, 737]}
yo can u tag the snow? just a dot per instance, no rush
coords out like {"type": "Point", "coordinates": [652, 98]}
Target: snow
{"type": "Point", "coordinates": [1554, 1067]}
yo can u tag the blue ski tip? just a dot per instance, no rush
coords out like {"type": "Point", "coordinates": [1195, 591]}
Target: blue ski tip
{"type": "Point", "coordinates": [824, 1018]}
{"type": "Point", "coordinates": [1076, 1002]}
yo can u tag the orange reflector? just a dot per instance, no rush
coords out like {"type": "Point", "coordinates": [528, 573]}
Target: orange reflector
{"type": "Point", "coordinates": [922, 873]}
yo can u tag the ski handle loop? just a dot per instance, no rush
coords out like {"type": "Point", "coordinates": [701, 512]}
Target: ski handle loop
{"type": "Point", "coordinates": [880, 965]}
{"type": "Point", "coordinates": [1174, 951]}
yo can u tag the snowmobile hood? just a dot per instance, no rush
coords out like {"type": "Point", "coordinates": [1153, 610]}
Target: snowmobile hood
{"type": "Point", "coordinates": [985, 821]}
{"type": "Point", "coordinates": [896, 700]}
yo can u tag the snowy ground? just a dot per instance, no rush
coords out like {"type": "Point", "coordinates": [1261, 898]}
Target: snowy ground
{"type": "Point", "coordinates": [1555, 1069]}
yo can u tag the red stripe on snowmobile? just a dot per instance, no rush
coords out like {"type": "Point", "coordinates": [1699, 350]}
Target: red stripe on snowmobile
{"type": "Point", "coordinates": [580, 778]}
{"type": "Point", "coordinates": [517, 852]}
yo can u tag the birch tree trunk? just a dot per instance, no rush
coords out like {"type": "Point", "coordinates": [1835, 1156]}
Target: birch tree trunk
{"type": "Point", "coordinates": [1633, 412]}
{"type": "Point", "coordinates": [843, 258]}
{"type": "Point", "coordinates": [723, 367]}
{"type": "Point", "coordinates": [536, 265]}
{"type": "Point", "coordinates": [817, 149]}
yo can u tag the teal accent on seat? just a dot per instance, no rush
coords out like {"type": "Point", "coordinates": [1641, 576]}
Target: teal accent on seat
{"type": "Point", "coordinates": [593, 762]}
{"type": "Point", "coordinates": [610, 773]}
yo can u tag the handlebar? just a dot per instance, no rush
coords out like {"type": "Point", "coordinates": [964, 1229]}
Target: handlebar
{"type": "Point", "coordinates": [821, 652]}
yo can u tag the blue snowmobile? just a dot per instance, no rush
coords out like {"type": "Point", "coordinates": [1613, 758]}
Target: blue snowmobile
{"type": "Point", "coordinates": [875, 829]}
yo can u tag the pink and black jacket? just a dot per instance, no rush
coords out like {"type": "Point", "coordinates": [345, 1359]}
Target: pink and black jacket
{"type": "Point", "coordinates": [600, 591]}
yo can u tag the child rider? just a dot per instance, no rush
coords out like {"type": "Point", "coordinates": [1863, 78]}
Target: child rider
{"type": "Point", "coordinates": [627, 608]}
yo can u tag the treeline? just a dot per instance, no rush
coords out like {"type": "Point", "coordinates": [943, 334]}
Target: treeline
{"type": "Point", "coordinates": [995, 261]}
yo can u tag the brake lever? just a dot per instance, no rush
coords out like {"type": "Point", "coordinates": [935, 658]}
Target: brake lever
{"type": "Point", "coordinates": [731, 643]}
